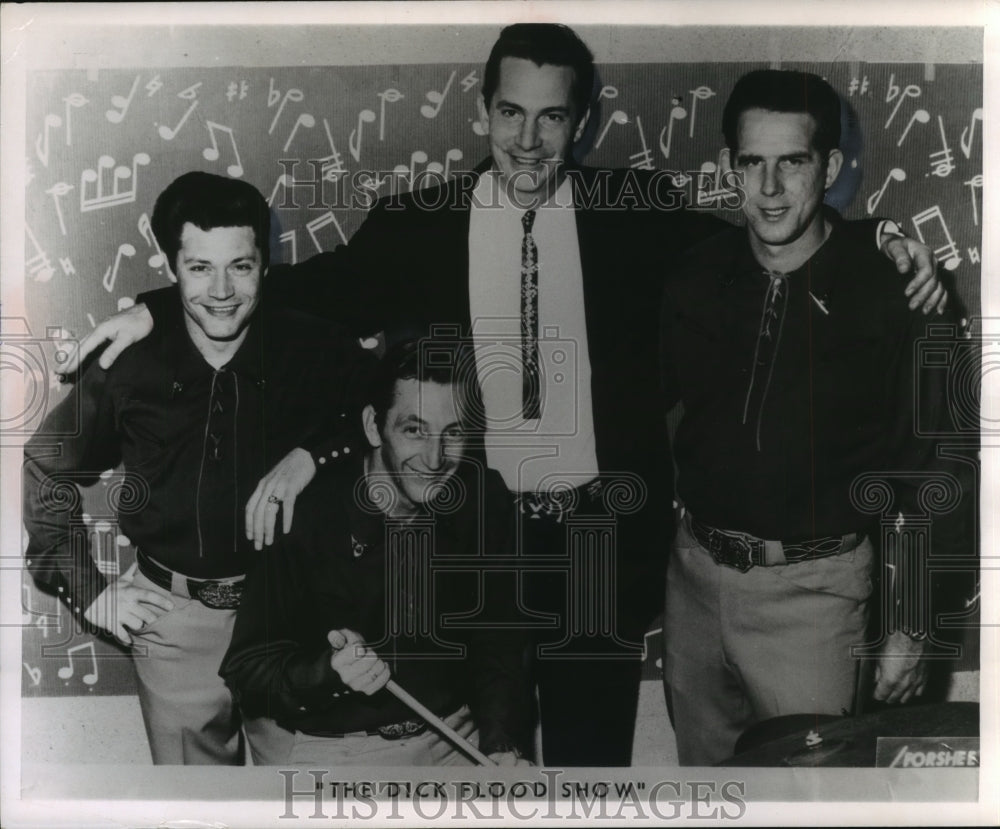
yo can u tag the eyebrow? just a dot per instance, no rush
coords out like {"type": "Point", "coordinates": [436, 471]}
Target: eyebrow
{"type": "Point", "coordinates": [746, 158]}
{"type": "Point", "coordinates": [248, 258]}
{"type": "Point", "coordinates": [511, 105]}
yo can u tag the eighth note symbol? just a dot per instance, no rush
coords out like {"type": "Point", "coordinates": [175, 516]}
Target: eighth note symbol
{"type": "Point", "coordinates": [67, 670]}
{"type": "Point", "coordinates": [212, 153]}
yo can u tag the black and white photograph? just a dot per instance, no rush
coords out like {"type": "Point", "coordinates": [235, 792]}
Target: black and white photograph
{"type": "Point", "coordinates": [515, 412]}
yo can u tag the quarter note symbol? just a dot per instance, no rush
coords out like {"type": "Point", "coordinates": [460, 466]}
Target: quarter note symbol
{"type": "Point", "coordinates": [970, 131]}
{"type": "Point", "coordinates": [921, 115]}
{"type": "Point", "coordinates": [702, 93]}
{"type": "Point", "coordinates": [116, 116]}
{"type": "Point", "coordinates": [111, 274]}
{"type": "Point", "coordinates": [388, 96]}
{"type": "Point", "coordinates": [617, 117]}
{"type": "Point", "coordinates": [895, 174]}
{"type": "Point", "coordinates": [972, 184]}
{"type": "Point", "coordinates": [436, 99]}
{"type": "Point", "coordinates": [168, 133]}
{"type": "Point", "coordinates": [73, 101]}
{"type": "Point", "coordinates": [304, 120]}
{"type": "Point", "coordinates": [57, 191]}
{"type": "Point", "coordinates": [366, 116]}
{"type": "Point", "coordinates": [52, 121]}
{"type": "Point", "coordinates": [678, 113]}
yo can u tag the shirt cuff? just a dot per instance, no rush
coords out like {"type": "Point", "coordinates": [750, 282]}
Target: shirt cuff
{"type": "Point", "coordinates": [886, 229]}
{"type": "Point", "coordinates": [326, 450]}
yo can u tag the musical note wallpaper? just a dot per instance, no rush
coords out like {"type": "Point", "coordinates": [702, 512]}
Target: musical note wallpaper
{"type": "Point", "coordinates": [320, 141]}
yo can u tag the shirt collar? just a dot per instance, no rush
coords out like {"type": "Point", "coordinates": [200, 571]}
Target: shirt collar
{"type": "Point", "coordinates": [819, 268]}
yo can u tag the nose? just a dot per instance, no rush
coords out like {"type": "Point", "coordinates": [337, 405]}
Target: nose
{"type": "Point", "coordinates": [222, 285]}
{"type": "Point", "coordinates": [771, 184]}
{"type": "Point", "coordinates": [530, 137]}
{"type": "Point", "coordinates": [433, 455]}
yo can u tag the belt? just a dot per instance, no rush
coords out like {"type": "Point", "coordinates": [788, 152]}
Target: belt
{"type": "Point", "coordinates": [221, 594]}
{"type": "Point", "coordinates": [743, 551]}
{"type": "Point", "coordinates": [560, 503]}
{"type": "Point", "coordinates": [392, 731]}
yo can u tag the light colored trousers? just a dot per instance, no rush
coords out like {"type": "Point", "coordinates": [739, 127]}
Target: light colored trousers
{"type": "Point", "coordinates": [188, 711]}
{"type": "Point", "coordinates": [745, 647]}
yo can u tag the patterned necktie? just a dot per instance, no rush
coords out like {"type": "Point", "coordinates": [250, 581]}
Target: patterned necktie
{"type": "Point", "coordinates": [531, 379]}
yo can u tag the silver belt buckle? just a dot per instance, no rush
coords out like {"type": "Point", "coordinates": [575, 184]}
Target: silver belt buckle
{"type": "Point", "coordinates": [220, 595]}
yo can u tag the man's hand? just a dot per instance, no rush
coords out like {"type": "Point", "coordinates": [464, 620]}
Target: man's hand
{"type": "Point", "coordinates": [122, 608]}
{"type": "Point", "coordinates": [122, 330]}
{"type": "Point", "coordinates": [909, 254]}
{"type": "Point", "coordinates": [901, 672]}
{"type": "Point", "coordinates": [507, 759]}
{"type": "Point", "coordinates": [359, 667]}
{"type": "Point", "coordinates": [279, 488]}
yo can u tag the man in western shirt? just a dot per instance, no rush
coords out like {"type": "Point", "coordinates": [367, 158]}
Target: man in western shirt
{"type": "Point", "coordinates": [792, 350]}
{"type": "Point", "coordinates": [196, 414]}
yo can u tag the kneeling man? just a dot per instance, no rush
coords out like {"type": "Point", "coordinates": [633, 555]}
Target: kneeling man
{"type": "Point", "coordinates": [348, 598]}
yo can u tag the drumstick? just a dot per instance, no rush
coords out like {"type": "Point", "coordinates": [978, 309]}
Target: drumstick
{"type": "Point", "coordinates": [438, 723]}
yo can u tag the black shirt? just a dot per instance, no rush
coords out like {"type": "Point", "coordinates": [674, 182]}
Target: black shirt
{"type": "Point", "coordinates": [345, 565]}
{"type": "Point", "coordinates": [793, 385]}
{"type": "Point", "coordinates": [194, 442]}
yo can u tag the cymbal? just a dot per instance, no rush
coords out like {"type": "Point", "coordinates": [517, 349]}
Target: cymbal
{"type": "Point", "coordinates": [851, 741]}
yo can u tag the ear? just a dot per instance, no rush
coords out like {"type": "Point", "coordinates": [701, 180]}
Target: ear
{"type": "Point", "coordinates": [371, 429]}
{"type": "Point", "coordinates": [484, 115]}
{"type": "Point", "coordinates": [834, 163]}
{"type": "Point", "coordinates": [581, 126]}
{"type": "Point", "coordinates": [725, 163]}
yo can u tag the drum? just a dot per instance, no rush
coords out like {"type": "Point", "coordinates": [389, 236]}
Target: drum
{"type": "Point", "coordinates": [825, 741]}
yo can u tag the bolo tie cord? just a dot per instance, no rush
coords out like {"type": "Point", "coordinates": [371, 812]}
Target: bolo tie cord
{"type": "Point", "coordinates": [773, 294]}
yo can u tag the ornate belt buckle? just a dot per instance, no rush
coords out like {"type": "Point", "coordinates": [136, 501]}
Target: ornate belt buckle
{"type": "Point", "coordinates": [733, 551]}
{"type": "Point", "coordinates": [742, 549]}
{"type": "Point", "coordinates": [398, 730]}
{"type": "Point", "coordinates": [220, 595]}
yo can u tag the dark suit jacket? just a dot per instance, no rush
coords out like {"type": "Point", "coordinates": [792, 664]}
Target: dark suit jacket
{"type": "Point", "coordinates": [407, 268]}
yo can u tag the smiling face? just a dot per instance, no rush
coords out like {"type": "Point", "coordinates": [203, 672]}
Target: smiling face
{"type": "Point", "coordinates": [420, 445]}
{"type": "Point", "coordinates": [784, 178]}
{"type": "Point", "coordinates": [218, 272]}
{"type": "Point", "coordinates": [532, 123]}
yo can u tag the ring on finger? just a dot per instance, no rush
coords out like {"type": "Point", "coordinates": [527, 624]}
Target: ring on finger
{"type": "Point", "coordinates": [273, 499]}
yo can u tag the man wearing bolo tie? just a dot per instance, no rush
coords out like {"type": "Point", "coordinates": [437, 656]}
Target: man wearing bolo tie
{"type": "Point", "coordinates": [558, 285]}
{"type": "Point", "coordinates": [196, 414]}
{"type": "Point", "coordinates": [793, 352]}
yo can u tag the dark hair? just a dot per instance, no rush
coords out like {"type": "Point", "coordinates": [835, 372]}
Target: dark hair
{"type": "Point", "coordinates": [543, 43]}
{"type": "Point", "coordinates": [208, 201]}
{"type": "Point", "coordinates": [428, 360]}
{"type": "Point", "coordinates": [779, 90]}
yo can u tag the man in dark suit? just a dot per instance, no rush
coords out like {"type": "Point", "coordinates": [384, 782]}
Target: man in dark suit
{"type": "Point", "coordinates": [557, 278]}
